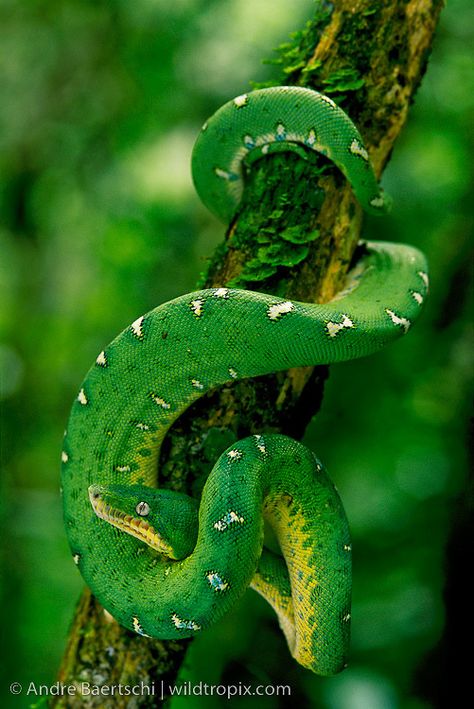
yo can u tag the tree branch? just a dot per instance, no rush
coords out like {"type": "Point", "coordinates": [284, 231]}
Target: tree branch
{"type": "Point", "coordinates": [369, 57]}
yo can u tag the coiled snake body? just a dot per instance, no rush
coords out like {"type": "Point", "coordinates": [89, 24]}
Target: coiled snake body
{"type": "Point", "coordinates": [161, 563]}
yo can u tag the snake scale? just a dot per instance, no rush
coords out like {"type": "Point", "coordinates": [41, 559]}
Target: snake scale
{"type": "Point", "coordinates": [162, 563]}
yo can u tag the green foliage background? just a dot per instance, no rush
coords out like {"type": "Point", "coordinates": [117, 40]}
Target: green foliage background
{"type": "Point", "coordinates": [101, 102]}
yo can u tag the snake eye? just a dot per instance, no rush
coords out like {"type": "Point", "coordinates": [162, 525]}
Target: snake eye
{"type": "Point", "coordinates": [142, 509]}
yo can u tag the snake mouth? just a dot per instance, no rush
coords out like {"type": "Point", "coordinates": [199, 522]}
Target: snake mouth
{"type": "Point", "coordinates": [135, 526]}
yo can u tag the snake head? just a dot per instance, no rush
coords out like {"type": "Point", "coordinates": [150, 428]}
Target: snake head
{"type": "Point", "coordinates": [165, 520]}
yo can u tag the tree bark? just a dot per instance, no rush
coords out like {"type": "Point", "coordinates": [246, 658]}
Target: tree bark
{"type": "Point", "coordinates": [370, 58]}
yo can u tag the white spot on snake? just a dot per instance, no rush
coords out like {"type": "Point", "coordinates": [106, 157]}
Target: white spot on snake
{"type": "Point", "coordinates": [234, 454]}
{"type": "Point", "coordinates": [225, 174]}
{"type": "Point", "coordinates": [417, 296]}
{"type": "Point", "coordinates": [233, 373]}
{"type": "Point", "coordinates": [217, 582]}
{"type": "Point", "coordinates": [260, 444]}
{"type": "Point", "coordinates": [346, 618]}
{"type": "Point", "coordinates": [205, 125]}
{"type": "Point", "coordinates": [228, 519]}
{"type": "Point", "coordinates": [347, 547]}
{"type": "Point", "coordinates": [64, 457]}
{"type": "Point", "coordinates": [221, 293]}
{"type": "Point", "coordinates": [160, 402]}
{"type": "Point", "coordinates": [311, 139]}
{"type": "Point", "coordinates": [142, 426]}
{"type": "Point", "coordinates": [378, 201]}
{"type": "Point", "coordinates": [136, 327]}
{"type": "Point", "coordinates": [397, 320]}
{"type": "Point", "coordinates": [122, 468]}
{"type": "Point", "coordinates": [265, 149]}
{"type": "Point", "coordinates": [328, 100]}
{"type": "Point", "coordinates": [241, 101]}
{"type": "Point", "coordinates": [82, 398]}
{"type": "Point", "coordinates": [196, 307]}
{"type": "Point", "coordinates": [184, 624]}
{"type": "Point", "coordinates": [424, 278]}
{"type": "Point", "coordinates": [197, 384]}
{"type": "Point", "coordinates": [249, 142]}
{"type": "Point", "coordinates": [76, 558]}
{"type": "Point", "coordinates": [333, 328]}
{"type": "Point", "coordinates": [101, 359]}
{"type": "Point", "coordinates": [357, 148]}
{"type": "Point", "coordinates": [138, 628]}
{"type": "Point", "coordinates": [280, 132]}
{"type": "Point", "coordinates": [276, 311]}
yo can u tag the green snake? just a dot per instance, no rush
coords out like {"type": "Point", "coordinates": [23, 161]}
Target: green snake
{"type": "Point", "coordinates": [163, 564]}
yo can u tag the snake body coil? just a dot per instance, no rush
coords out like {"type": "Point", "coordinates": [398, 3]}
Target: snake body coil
{"type": "Point", "coordinates": [160, 563]}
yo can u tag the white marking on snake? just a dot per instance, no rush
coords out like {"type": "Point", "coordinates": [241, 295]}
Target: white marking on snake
{"type": "Point", "coordinates": [334, 328]}
{"type": "Point", "coordinates": [397, 320]}
{"type": "Point", "coordinates": [260, 444]}
{"type": "Point", "coordinates": [347, 547]}
{"type": "Point", "coordinates": [346, 618]}
{"type": "Point", "coordinates": [233, 373]}
{"type": "Point", "coordinates": [228, 519]}
{"type": "Point", "coordinates": [234, 454]}
{"type": "Point", "coordinates": [196, 307]}
{"type": "Point", "coordinates": [357, 148]}
{"type": "Point", "coordinates": [221, 293]}
{"type": "Point", "coordinates": [186, 624]}
{"type": "Point", "coordinates": [122, 468]}
{"type": "Point", "coordinates": [76, 558]}
{"type": "Point", "coordinates": [225, 174]}
{"type": "Point", "coordinates": [136, 327]}
{"type": "Point", "coordinates": [328, 100]}
{"type": "Point", "coordinates": [217, 582]}
{"type": "Point", "coordinates": [377, 201]}
{"type": "Point", "coordinates": [249, 142]}
{"type": "Point", "coordinates": [276, 311]}
{"type": "Point", "coordinates": [138, 628]}
{"type": "Point", "coordinates": [82, 398]}
{"type": "Point", "coordinates": [241, 101]}
{"type": "Point", "coordinates": [417, 296]}
{"type": "Point", "coordinates": [311, 139]}
{"type": "Point", "coordinates": [424, 278]}
{"type": "Point", "coordinates": [101, 359]}
{"type": "Point", "coordinates": [142, 426]}
{"type": "Point", "coordinates": [197, 384]}
{"type": "Point", "coordinates": [161, 402]}
{"type": "Point", "coordinates": [64, 457]}
{"type": "Point", "coordinates": [280, 132]}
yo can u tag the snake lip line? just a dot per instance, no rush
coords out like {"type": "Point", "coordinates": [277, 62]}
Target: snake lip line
{"type": "Point", "coordinates": [138, 528]}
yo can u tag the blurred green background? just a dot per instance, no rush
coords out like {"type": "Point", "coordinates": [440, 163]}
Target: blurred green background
{"type": "Point", "coordinates": [100, 105]}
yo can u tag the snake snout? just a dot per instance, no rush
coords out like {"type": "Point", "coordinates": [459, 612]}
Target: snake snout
{"type": "Point", "coordinates": [95, 493]}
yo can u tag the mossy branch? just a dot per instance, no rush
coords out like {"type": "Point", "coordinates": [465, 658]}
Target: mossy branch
{"type": "Point", "coordinates": [369, 56]}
